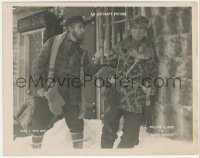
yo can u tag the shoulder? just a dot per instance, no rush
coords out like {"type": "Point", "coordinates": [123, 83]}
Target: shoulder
{"type": "Point", "coordinates": [51, 39]}
{"type": "Point", "coordinates": [49, 42]}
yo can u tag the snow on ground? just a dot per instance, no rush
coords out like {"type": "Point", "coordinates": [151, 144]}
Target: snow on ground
{"type": "Point", "coordinates": [59, 137]}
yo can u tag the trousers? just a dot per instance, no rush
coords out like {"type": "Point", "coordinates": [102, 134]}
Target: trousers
{"type": "Point", "coordinates": [42, 117]}
{"type": "Point", "coordinates": [111, 121]}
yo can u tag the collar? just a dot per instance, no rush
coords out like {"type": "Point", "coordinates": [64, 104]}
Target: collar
{"type": "Point", "coordinates": [132, 43]}
{"type": "Point", "coordinates": [69, 38]}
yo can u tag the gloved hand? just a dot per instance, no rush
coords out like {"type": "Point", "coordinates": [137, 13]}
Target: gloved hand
{"type": "Point", "coordinates": [147, 90]}
{"type": "Point", "coordinates": [98, 56]}
{"type": "Point", "coordinates": [41, 92]}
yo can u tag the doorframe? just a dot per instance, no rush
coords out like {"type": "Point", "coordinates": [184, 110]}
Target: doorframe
{"type": "Point", "coordinates": [24, 56]}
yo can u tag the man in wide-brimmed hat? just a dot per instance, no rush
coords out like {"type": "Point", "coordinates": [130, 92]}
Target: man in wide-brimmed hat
{"type": "Point", "coordinates": [133, 61]}
{"type": "Point", "coordinates": [69, 62]}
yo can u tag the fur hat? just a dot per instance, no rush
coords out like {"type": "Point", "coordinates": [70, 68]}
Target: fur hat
{"type": "Point", "coordinates": [140, 21]}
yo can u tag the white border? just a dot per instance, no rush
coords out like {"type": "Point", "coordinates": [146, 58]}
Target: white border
{"type": "Point", "coordinates": [1, 116]}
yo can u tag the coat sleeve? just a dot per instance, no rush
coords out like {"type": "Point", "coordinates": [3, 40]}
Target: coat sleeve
{"type": "Point", "coordinates": [112, 59]}
{"type": "Point", "coordinates": [110, 63]}
{"type": "Point", "coordinates": [40, 63]}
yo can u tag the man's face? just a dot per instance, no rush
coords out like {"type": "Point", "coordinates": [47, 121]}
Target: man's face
{"type": "Point", "coordinates": [77, 30]}
{"type": "Point", "coordinates": [138, 32]}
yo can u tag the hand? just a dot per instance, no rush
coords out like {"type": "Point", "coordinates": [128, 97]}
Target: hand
{"type": "Point", "coordinates": [112, 80]}
{"type": "Point", "coordinates": [41, 92]}
{"type": "Point", "coordinates": [147, 90]}
{"type": "Point", "coordinates": [98, 55]}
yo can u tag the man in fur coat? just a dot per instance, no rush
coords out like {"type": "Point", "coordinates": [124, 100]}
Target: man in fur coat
{"type": "Point", "coordinates": [134, 62]}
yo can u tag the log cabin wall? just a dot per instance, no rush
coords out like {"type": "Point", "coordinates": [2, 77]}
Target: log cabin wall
{"type": "Point", "coordinates": [173, 36]}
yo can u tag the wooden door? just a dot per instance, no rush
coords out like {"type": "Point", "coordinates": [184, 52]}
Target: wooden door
{"type": "Point", "coordinates": [30, 45]}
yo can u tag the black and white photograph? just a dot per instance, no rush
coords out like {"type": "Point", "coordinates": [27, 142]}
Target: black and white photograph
{"type": "Point", "coordinates": [101, 76]}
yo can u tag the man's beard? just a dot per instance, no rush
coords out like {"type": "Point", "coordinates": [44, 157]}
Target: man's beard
{"type": "Point", "coordinates": [78, 37]}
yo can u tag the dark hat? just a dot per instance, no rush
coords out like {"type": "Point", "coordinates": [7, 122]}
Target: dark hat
{"type": "Point", "coordinates": [74, 19]}
{"type": "Point", "coordinates": [140, 21]}
{"type": "Point", "coordinates": [77, 19]}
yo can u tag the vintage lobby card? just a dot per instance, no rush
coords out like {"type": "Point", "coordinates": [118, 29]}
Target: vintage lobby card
{"type": "Point", "coordinates": [100, 78]}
